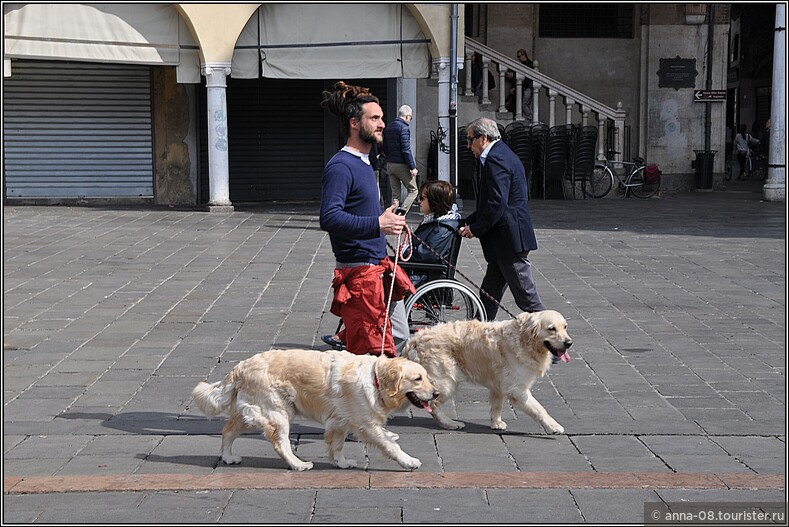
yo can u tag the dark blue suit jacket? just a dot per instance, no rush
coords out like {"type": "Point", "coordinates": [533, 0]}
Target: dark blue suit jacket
{"type": "Point", "coordinates": [501, 221]}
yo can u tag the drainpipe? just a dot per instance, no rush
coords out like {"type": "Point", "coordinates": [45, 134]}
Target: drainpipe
{"type": "Point", "coordinates": [643, 108]}
{"type": "Point", "coordinates": [453, 100]}
{"type": "Point", "coordinates": [708, 104]}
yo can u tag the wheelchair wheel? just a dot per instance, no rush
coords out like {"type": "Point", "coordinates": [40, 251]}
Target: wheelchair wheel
{"type": "Point", "coordinates": [442, 301]}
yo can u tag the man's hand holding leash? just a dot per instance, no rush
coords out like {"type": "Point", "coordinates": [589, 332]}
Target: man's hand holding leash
{"type": "Point", "coordinates": [390, 222]}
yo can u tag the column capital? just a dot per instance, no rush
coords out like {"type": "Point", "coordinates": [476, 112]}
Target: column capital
{"type": "Point", "coordinates": [215, 69]}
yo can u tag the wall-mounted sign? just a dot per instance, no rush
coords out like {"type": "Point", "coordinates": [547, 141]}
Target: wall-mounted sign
{"type": "Point", "coordinates": [677, 73]}
{"type": "Point", "coordinates": [709, 95]}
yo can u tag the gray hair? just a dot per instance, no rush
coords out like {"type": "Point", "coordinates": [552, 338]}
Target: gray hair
{"type": "Point", "coordinates": [484, 126]}
{"type": "Point", "coordinates": [404, 111]}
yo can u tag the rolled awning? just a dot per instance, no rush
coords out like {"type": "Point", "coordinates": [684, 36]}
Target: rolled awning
{"type": "Point", "coordinates": [114, 33]}
{"type": "Point", "coordinates": [322, 41]}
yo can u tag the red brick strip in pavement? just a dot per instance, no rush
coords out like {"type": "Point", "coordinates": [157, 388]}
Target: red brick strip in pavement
{"type": "Point", "coordinates": [391, 480]}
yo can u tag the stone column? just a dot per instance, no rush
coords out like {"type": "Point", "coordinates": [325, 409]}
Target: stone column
{"type": "Point", "coordinates": [775, 187]}
{"type": "Point", "coordinates": [218, 158]}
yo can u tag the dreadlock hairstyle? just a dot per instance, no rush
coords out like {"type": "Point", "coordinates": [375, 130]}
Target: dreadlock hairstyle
{"type": "Point", "coordinates": [346, 102]}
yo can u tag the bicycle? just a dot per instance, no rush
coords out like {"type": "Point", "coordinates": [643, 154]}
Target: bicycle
{"type": "Point", "coordinates": [755, 164]}
{"type": "Point", "coordinates": [636, 182]}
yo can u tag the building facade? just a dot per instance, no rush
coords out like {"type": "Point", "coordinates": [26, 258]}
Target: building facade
{"type": "Point", "coordinates": [216, 104]}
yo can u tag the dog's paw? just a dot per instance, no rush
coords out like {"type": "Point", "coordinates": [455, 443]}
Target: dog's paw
{"type": "Point", "coordinates": [231, 460]}
{"type": "Point", "coordinates": [301, 467]}
{"type": "Point", "coordinates": [554, 428]}
{"type": "Point", "coordinates": [452, 425]}
{"type": "Point", "coordinates": [346, 463]}
{"type": "Point", "coordinates": [498, 425]}
{"type": "Point", "coordinates": [411, 463]}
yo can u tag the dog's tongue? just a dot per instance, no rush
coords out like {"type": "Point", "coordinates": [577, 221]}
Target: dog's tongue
{"type": "Point", "coordinates": [564, 357]}
{"type": "Point", "coordinates": [427, 408]}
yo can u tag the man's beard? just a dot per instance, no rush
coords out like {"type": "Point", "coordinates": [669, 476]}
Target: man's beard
{"type": "Point", "coordinates": [370, 137]}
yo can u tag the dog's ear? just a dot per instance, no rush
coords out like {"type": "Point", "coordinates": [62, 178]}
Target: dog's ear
{"type": "Point", "coordinates": [529, 325]}
{"type": "Point", "coordinates": [391, 377]}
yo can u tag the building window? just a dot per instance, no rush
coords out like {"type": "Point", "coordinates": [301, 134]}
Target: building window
{"type": "Point", "coordinates": [586, 20]}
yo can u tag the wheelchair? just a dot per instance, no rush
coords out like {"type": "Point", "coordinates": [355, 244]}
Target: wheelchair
{"type": "Point", "coordinates": [440, 298]}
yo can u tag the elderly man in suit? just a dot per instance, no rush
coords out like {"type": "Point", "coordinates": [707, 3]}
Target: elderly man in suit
{"type": "Point", "coordinates": [501, 220]}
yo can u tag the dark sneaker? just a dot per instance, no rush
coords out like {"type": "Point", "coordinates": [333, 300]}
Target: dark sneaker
{"type": "Point", "coordinates": [336, 344]}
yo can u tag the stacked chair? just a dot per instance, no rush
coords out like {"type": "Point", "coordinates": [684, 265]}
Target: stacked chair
{"type": "Point", "coordinates": [518, 137]}
{"type": "Point", "coordinates": [555, 162]}
{"type": "Point", "coordinates": [583, 158]}
{"type": "Point", "coordinates": [539, 147]}
{"type": "Point", "coordinates": [572, 135]}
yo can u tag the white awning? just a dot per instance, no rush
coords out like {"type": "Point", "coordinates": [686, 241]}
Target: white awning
{"type": "Point", "coordinates": [324, 41]}
{"type": "Point", "coordinates": [115, 33]}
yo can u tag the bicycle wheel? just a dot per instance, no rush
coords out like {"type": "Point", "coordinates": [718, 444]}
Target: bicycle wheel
{"type": "Point", "coordinates": [599, 183]}
{"type": "Point", "coordinates": [761, 169]}
{"type": "Point", "coordinates": [727, 170]}
{"type": "Point", "coordinates": [442, 301]}
{"type": "Point", "coordinates": [639, 187]}
{"type": "Point", "coordinates": [748, 167]}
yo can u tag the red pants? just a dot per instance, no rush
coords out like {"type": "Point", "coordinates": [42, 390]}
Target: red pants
{"type": "Point", "coordinates": [360, 295]}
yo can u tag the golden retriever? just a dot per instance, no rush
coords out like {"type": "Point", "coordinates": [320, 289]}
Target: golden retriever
{"type": "Point", "coordinates": [345, 392]}
{"type": "Point", "coordinates": [506, 357]}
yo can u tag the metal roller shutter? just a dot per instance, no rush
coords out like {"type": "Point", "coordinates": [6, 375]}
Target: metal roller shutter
{"type": "Point", "coordinates": [77, 130]}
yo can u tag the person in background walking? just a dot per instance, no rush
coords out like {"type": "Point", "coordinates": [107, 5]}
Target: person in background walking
{"type": "Point", "coordinates": [399, 160]}
{"type": "Point", "coordinates": [742, 143]}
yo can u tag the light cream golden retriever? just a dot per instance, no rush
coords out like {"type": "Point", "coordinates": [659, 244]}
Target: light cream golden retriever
{"type": "Point", "coordinates": [345, 392]}
{"type": "Point", "coordinates": [506, 357]}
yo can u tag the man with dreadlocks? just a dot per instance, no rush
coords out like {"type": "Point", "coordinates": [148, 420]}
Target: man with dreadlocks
{"type": "Point", "coordinates": [352, 215]}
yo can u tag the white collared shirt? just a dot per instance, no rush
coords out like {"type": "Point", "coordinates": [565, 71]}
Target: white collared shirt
{"type": "Point", "coordinates": [363, 157]}
{"type": "Point", "coordinates": [484, 155]}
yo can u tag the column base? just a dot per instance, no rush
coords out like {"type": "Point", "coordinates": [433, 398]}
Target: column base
{"type": "Point", "coordinates": [774, 193]}
{"type": "Point", "coordinates": [219, 208]}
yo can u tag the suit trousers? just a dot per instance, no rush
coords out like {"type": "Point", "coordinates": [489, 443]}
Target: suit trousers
{"type": "Point", "coordinates": [514, 272]}
{"type": "Point", "coordinates": [399, 173]}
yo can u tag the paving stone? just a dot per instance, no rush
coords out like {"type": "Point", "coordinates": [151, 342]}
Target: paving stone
{"type": "Point", "coordinates": [112, 315]}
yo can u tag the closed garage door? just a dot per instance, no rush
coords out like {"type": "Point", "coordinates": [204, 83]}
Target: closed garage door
{"type": "Point", "coordinates": [276, 137]}
{"type": "Point", "coordinates": [76, 129]}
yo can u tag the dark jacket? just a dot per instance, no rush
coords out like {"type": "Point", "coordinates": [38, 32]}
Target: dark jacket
{"type": "Point", "coordinates": [439, 235]}
{"type": "Point", "coordinates": [502, 221]}
{"type": "Point", "coordinates": [397, 143]}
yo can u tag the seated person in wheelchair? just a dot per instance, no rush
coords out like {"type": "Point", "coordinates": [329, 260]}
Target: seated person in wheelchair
{"type": "Point", "coordinates": [437, 229]}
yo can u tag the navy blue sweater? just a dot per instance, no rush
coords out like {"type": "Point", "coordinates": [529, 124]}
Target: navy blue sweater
{"type": "Point", "coordinates": [350, 208]}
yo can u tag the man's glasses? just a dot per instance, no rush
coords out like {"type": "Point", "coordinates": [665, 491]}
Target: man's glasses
{"type": "Point", "coordinates": [470, 138]}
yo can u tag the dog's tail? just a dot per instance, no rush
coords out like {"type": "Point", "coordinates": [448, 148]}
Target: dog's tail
{"type": "Point", "coordinates": [217, 398]}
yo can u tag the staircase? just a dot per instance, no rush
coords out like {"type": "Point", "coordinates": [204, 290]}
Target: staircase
{"type": "Point", "coordinates": [543, 86]}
